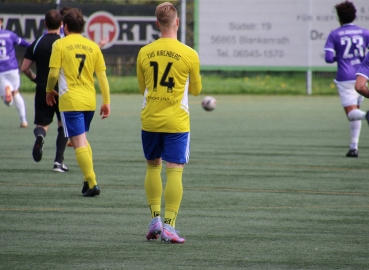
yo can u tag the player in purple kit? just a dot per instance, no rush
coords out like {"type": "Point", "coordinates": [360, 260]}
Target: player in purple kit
{"type": "Point", "coordinates": [9, 72]}
{"type": "Point", "coordinates": [346, 45]}
{"type": "Point", "coordinates": [361, 84]}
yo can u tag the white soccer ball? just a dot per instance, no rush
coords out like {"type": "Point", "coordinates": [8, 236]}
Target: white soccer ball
{"type": "Point", "coordinates": [209, 103]}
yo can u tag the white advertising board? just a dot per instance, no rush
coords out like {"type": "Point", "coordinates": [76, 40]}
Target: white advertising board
{"type": "Point", "coordinates": [267, 34]}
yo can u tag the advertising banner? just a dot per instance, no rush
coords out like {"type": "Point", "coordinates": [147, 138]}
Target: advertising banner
{"type": "Point", "coordinates": [128, 27]}
{"type": "Point", "coordinates": [267, 34]}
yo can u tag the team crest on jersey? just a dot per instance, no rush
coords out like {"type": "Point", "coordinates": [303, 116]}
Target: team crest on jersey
{"type": "Point", "coordinates": [101, 25]}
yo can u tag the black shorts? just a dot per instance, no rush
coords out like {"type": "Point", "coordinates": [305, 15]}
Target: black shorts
{"type": "Point", "coordinates": [44, 113]}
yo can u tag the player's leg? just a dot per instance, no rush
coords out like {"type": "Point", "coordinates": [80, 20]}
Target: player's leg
{"type": "Point", "coordinates": [6, 89]}
{"type": "Point", "coordinates": [352, 108]}
{"type": "Point", "coordinates": [69, 143]}
{"type": "Point", "coordinates": [38, 147]}
{"type": "Point", "coordinates": [355, 116]}
{"type": "Point", "coordinates": [351, 101]}
{"type": "Point", "coordinates": [61, 142]}
{"type": "Point", "coordinates": [85, 186]}
{"type": "Point", "coordinates": [152, 148]}
{"type": "Point", "coordinates": [42, 121]}
{"type": "Point", "coordinates": [17, 97]}
{"type": "Point", "coordinates": [176, 154]}
{"type": "Point", "coordinates": [21, 108]}
{"type": "Point", "coordinates": [76, 124]}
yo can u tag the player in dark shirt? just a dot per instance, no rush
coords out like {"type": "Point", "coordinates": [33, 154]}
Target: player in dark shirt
{"type": "Point", "coordinates": [39, 52]}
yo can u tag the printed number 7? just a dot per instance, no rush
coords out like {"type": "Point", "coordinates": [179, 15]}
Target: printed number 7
{"type": "Point", "coordinates": [83, 58]}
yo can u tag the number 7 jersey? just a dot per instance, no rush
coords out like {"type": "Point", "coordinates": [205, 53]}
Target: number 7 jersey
{"type": "Point", "coordinates": [349, 43]}
{"type": "Point", "coordinates": [77, 58]}
{"type": "Point", "coordinates": [167, 70]}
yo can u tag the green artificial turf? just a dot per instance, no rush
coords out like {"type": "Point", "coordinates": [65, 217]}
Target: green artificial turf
{"type": "Point", "coordinates": [268, 186]}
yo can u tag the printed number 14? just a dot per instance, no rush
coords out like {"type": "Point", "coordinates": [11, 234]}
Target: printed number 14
{"type": "Point", "coordinates": [165, 80]}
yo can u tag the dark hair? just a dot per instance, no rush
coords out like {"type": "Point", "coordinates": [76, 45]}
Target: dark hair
{"type": "Point", "coordinates": [74, 19]}
{"type": "Point", "coordinates": [346, 12]}
{"type": "Point", "coordinates": [64, 10]}
{"type": "Point", "coordinates": [53, 19]}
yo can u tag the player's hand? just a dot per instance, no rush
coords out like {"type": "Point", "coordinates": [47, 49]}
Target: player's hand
{"type": "Point", "coordinates": [103, 42]}
{"type": "Point", "coordinates": [105, 111]}
{"type": "Point", "coordinates": [50, 98]}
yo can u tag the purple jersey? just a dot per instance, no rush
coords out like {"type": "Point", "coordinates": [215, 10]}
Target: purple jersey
{"type": "Point", "coordinates": [364, 68]}
{"type": "Point", "coordinates": [347, 45]}
{"type": "Point", "coordinates": [8, 59]}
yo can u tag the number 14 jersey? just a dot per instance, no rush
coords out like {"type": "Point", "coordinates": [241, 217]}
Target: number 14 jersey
{"type": "Point", "coordinates": [166, 71]}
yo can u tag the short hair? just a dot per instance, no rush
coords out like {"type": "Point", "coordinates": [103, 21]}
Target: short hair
{"type": "Point", "coordinates": [53, 19]}
{"type": "Point", "coordinates": [74, 19]}
{"type": "Point", "coordinates": [64, 10]}
{"type": "Point", "coordinates": [346, 12]}
{"type": "Point", "coordinates": [165, 13]}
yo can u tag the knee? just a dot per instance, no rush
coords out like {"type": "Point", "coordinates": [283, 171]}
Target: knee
{"type": "Point", "coordinates": [7, 103]}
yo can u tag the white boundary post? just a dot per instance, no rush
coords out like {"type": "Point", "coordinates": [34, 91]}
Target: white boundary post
{"type": "Point", "coordinates": [309, 73]}
{"type": "Point", "coordinates": [183, 21]}
{"type": "Point", "coordinates": [309, 80]}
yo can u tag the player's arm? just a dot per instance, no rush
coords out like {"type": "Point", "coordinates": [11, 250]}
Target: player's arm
{"type": "Point", "coordinates": [104, 85]}
{"type": "Point", "coordinates": [195, 85]}
{"type": "Point", "coordinates": [23, 43]}
{"type": "Point", "coordinates": [26, 69]}
{"type": "Point", "coordinates": [361, 85]}
{"type": "Point", "coordinates": [105, 91]}
{"type": "Point", "coordinates": [329, 49]}
{"type": "Point", "coordinates": [54, 65]}
{"type": "Point", "coordinates": [52, 79]}
{"type": "Point", "coordinates": [20, 42]}
{"type": "Point", "coordinates": [329, 57]}
{"type": "Point", "coordinates": [140, 75]}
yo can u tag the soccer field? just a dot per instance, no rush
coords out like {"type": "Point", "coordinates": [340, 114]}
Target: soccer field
{"type": "Point", "coordinates": [268, 186]}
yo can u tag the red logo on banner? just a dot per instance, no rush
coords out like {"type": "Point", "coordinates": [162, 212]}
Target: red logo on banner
{"type": "Point", "coordinates": [102, 25]}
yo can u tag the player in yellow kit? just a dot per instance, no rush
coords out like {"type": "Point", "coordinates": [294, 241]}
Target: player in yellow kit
{"type": "Point", "coordinates": [73, 62]}
{"type": "Point", "coordinates": [167, 71]}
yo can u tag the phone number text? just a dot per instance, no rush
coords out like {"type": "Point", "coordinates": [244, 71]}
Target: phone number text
{"type": "Point", "coordinates": [250, 53]}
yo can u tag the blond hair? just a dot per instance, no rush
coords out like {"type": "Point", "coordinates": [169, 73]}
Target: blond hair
{"type": "Point", "coordinates": [166, 14]}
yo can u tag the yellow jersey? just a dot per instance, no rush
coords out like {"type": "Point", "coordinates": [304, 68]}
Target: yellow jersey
{"type": "Point", "coordinates": [77, 58]}
{"type": "Point", "coordinates": [167, 71]}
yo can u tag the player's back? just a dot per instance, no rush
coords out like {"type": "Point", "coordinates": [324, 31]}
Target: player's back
{"type": "Point", "coordinates": [40, 52]}
{"type": "Point", "coordinates": [167, 56]}
{"type": "Point", "coordinates": [350, 42]}
{"type": "Point", "coordinates": [166, 64]}
{"type": "Point", "coordinates": [78, 58]}
{"type": "Point", "coordinates": [8, 59]}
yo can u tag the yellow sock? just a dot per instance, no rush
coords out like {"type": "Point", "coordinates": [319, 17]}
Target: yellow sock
{"type": "Point", "coordinates": [154, 189]}
{"type": "Point", "coordinates": [155, 210]}
{"type": "Point", "coordinates": [170, 218]}
{"type": "Point", "coordinates": [173, 194]}
{"type": "Point", "coordinates": [84, 161]}
{"type": "Point", "coordinates": [90, 152]}
{"type": "Point", "coordinates": [89, 149]}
